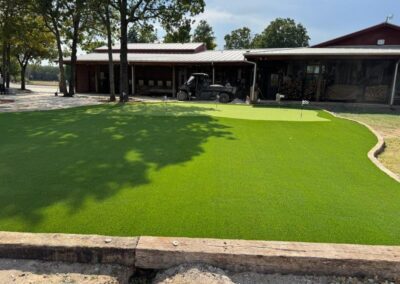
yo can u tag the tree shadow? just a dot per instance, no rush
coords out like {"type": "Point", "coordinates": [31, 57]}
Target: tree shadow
{"type": "Point", "coordinates": [67, 156]}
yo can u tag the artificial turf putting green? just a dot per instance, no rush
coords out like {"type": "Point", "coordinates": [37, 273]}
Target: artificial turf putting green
{"type": "Point", "coordinates": [186, 170]}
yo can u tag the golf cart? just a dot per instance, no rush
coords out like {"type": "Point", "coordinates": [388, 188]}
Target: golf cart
{"type": "Point", "coordinates": [198, 87]}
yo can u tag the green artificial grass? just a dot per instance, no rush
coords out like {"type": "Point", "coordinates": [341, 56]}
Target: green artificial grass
{"type": "Point", "coordinates": [192, 170]}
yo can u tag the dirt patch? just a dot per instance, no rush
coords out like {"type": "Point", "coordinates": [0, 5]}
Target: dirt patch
{"type": "Point", "coordinates": [185, 274]}
{"type": "Point", "coordinates": [4, 101]}
{"type": "Point", "coordinates": [35, 272]}
{"type": "Point", "coordinates": [104, 101]}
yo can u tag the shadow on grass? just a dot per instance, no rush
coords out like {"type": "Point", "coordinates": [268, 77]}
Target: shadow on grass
{"type": "Point", "coordinates": [67, 156]}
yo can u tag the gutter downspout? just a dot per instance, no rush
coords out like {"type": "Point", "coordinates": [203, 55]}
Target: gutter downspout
{"type": "Point", "coordinates": [396, 71]}
{"type": "Point", "coordinates": [253, 87]}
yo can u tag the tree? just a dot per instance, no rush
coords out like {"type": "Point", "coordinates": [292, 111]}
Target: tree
{"type": "Point", "coordinates": [204, 33]}
{"type": "Point", "coordinates": [52, 12]}
{"type": "Point", "coordinates": [10, 12]}
{"type": "Point", "coordinates": [77, 18]}
{"type": "Point", "coordinates": [42, 73]}
{"type": "Point", "coordinates": [168, 12]}
{"type": "Point", "coordinates": [179, 34]}
{"type": "Point", "coordinates": [282, 33]}
{"type": "Point", "coordinates": [107, 18]}
{"type": "Point", "coordinates": [31, 41]}
{"type": "Point", "coordinates": [68, 20]}
{"type": "Point", "coordinates": [238, 39]}
{"type": "Point", "coordinates": [142, 34]}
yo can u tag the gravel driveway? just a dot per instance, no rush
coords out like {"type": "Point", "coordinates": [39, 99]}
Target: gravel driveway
{"type": "Point", "coordinates": [35, 272]}
{"type": "Point", "coordinates": [43, 98]}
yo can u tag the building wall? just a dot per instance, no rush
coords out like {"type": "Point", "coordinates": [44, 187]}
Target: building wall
{"type": "Point", "coordinates": [391, 37]}
{"type": "Point", "coordinates": [82, 79]}
{"type": "Point", "coordinates": [390, 34]}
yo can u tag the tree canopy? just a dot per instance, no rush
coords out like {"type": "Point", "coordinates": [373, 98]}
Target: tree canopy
{"type": "Point", "coordinates": [180, 34]}
{"type": "Point", "coordinates": [142, 34]}
{"type": "Point", "coordinates": [204, 33]}
{"type": "Point", "coordinates": [282, 33]}
{"type": "Point", "coordinates": [239, 39]}
{"type": "Point", "coordinates": [31, 41]}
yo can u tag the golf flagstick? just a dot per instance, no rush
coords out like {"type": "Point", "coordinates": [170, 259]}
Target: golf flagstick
{"type": "Point", "coordinates": [303, 103]}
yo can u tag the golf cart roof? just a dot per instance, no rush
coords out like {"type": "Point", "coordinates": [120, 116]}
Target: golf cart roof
{"type": "Point", "coordinates": [200, 74]}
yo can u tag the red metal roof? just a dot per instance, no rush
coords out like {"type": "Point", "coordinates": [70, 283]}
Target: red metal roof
{"type": "Point", "coordinates": [192, 47]}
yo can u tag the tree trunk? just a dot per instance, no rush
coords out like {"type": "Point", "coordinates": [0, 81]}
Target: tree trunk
{"type": "Point", "coordinates": [110, 56]}
{"type": "Point", "coordinates": [4, 62]}
{"type": "Point", "coordinates": [74, 47]}
{"type": "Point", "coordinates": [8, 66]}
{"type": "Point", "coordinates": [124, 83]}
{"type": "Point", "coordinates": [62, 84]}
{"type": "Point", "coordinates": [23, 72]}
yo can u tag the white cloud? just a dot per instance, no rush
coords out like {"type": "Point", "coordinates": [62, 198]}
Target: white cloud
{"type": "Point", "coordinates": [214, 16]}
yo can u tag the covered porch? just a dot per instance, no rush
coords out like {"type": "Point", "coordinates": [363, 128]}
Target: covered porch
{"type": "Point", "coordinates": [329, 75]}
{"type": "Point", "coordinates": [161, 79]}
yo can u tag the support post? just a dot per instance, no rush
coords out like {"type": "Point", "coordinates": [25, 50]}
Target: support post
{"type": "Point", "coordinates": [133, 79]}
{"type": "Point", "coordinates": [96, 80]}
{"type": "Point", "coordinates": [173, 82]}
{"type": "Point", "coordinates": [213, 73]}
{"type": "Point", "coordinates": [393, 93]}
{"type": "Point", "coordinates": [319, 84]}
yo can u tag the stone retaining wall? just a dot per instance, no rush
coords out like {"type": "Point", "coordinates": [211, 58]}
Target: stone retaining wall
{"type": "Point", "coordinates": [235, 255]}
{"type": "Point", "coordinates": [68, 248]}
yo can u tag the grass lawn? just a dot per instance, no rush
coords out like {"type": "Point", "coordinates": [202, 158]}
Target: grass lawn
{"type": "Point", "coordinates": [195, 170]}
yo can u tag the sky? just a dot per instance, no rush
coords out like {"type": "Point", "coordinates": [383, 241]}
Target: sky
{"type": "Point", "coordinates": [324, 19]}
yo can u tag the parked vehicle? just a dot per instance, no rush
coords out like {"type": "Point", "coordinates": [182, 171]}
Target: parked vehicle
{"type": "Point", "coordinates": [198, 88]}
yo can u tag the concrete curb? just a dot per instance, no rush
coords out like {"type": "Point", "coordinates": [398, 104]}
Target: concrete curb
{"type": "Point", "coordinates": [68, 248]}
{"type": "Point", "coordinates": [234, 255]}
{"type": "Point", "coordinates": [271, 257]}
{"type": "Point", "coordinates": [378, 149]}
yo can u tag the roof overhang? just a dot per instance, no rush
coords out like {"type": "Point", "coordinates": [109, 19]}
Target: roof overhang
{"type": "Point", "coordinates": [201, 58]}
{"type": "Point", "coordinates": [322, 53]}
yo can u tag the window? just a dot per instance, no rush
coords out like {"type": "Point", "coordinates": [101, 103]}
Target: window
{"type": "Point", "coordinates": [313, 69]}
{"type": "Point", "coordinates": [274, 80]}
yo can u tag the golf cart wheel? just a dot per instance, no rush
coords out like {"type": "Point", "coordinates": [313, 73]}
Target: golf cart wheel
{"type": "Point", "coordinates": [224, 98]}
{"type": "Point", "coordinates": [182, 96]}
